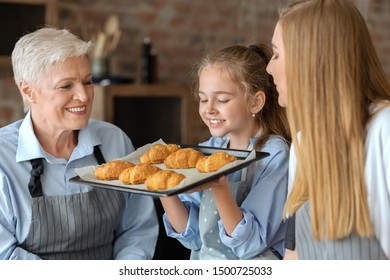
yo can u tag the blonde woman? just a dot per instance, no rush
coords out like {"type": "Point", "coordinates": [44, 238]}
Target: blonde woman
{"type": "Point", "coordinates": [329, 76]}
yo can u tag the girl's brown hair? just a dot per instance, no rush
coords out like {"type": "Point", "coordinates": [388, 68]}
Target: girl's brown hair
{"type": "Point", "coordinates": [247, 67]}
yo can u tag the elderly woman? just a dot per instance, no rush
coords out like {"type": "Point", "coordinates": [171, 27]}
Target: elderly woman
{"type": "Point", "coordinates": [42, 214]}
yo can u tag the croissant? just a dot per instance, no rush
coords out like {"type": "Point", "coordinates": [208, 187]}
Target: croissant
{"type": "Point", "coordinates": [183, 158]}
{"type": "Point", "coordinates": [112, 169]}
{"type": "Point", "coordinates": [164, 179]}
{"type": "Point", "coordinates": [157, 153]}
{"type": "Point", "coordinates": [137, 174]}
{"type": "Point", "coordinates": [214, 162]}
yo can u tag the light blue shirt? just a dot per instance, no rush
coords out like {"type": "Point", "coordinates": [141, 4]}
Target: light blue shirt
{"type": "Point", "coordinates": [262, 226]}
{"type": "Point", "coordinates": [137, 231]}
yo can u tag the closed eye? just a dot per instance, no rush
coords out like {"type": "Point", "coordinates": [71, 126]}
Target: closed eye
{"type": "Point", "coordinates": [66, 86]}
{"type": "Point", "coordinates": [87, 83]}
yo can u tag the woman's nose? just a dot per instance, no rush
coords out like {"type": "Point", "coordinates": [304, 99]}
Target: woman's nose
{"type": "Point", "coordinates": [268, 68]}
{"type": "Point", "coordinates": [81, 93]}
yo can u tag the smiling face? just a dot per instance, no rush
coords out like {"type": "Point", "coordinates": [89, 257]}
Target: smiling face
{"type": "Point", "coordinates": [276, 66]}
{"type": "Point", "coordinates": [222, 108]}
{"type": "Point", "coordinates": [62, 101]}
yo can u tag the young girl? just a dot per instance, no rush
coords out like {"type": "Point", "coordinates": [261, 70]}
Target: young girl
{"type": "Point", "coordinates": [239, 216]}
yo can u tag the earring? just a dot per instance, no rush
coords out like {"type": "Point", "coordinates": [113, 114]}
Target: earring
{"type": "Point", "coordinates": [253, 115]}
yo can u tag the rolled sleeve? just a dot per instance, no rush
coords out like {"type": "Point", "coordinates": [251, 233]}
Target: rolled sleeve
{"type": "Point", "coordinates": [190, 238]}
{"type": "Point", "coordinates": [238, 240]}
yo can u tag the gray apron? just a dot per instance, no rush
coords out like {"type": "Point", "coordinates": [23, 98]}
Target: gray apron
{"type": "Point", "coordinates": [75, 227]}
{"type": "Point", "coordinates": [351, 247]}
{"type": "Point", "coordinates": [212, 246]}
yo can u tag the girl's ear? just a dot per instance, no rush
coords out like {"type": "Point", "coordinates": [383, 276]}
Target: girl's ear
{"type": "Point", "coordinates": [26, 90]}
{"type": "Point", "coordinates": [258, 102]}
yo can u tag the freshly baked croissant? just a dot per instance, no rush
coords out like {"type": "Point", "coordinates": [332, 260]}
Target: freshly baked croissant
{"type": "Point", "coordinates": [214, 162]}
{"type": "Point", "coordinates": [157, 153]}
{"type": "Point", "coordinates": [137, 174]}
{"type": "Point", "coordinates": [112, 169]}
{"type": "Point", "coordinates": [183, 158]}
{"type": "Point", "coordinates": [164, 179]}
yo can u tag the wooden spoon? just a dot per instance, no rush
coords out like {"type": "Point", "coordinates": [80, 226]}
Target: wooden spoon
{"type": "Point", "coordinates": [111, 25]}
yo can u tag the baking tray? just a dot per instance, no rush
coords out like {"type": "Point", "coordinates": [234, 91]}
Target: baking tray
{"type": "Point", "coordinates": [193, 179]}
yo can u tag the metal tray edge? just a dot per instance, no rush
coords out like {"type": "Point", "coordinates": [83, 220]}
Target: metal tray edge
{"type": "Point", "coordinates": [173, 191]}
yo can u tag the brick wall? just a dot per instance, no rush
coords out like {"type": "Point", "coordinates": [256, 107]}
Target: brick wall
{"type": "Point", "coordinates": [181, 31]}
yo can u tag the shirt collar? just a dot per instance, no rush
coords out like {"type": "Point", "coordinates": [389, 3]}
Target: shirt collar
{"type": "Point", "coordinates": [225, 140]}
{"type": "Point", "coordinates": [28, 144]}
{"type": "Point", "coordinates": [29, 147]}
{"type": "Point", "coordinates": [87, 140]}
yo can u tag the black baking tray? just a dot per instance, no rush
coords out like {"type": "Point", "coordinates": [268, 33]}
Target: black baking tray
{"type": "Point", "coordinates": [141, 189]}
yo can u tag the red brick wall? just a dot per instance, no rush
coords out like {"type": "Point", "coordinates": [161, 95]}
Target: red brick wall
{"type": "Point", "coordinates": [181, 31]}
{"type": "Point", "coordinates": [378, 19]}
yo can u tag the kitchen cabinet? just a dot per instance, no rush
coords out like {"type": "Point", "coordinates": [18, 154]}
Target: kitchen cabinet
{"type": "Point", "coordinates": [20, 17]}
{"type": "Point", "coordinates": [148, 112]}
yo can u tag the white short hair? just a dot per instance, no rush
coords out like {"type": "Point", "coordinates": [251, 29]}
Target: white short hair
{"type": "Point", "coordinates": [35, 52]}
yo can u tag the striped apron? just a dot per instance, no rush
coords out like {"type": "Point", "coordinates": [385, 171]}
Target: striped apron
{"type": "Point", "coordinates": [75, 227]}
{"type": "Point", "coordinates": [352, 247]}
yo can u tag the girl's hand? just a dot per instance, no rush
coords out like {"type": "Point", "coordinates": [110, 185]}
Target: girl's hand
{"type": "Point", "coordinates": [217, 183]}
{"type": "Point", "coordinates": [290, 255]}
{"type": "Point", "coordinates": [176, 211]}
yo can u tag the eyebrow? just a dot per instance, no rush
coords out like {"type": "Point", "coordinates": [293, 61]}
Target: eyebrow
{"type": "Point", "coordinates": [218, 92]}
{"type": "Point", "coordinates": [73, 78]}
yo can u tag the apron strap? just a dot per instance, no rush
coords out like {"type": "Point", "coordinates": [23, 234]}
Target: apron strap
{"type": "Point", "coordinates": [98, 155]}
{"type": "Point", "coordinates": [35, 185]}
{"type": "Point", "coordinates": [244, 171]}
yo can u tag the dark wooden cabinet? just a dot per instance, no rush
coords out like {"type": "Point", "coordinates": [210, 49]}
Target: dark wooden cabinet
{"type": "Point", "coordinates": [19, 17]}
{"type": "Point", "coordinates": [150, 112]}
